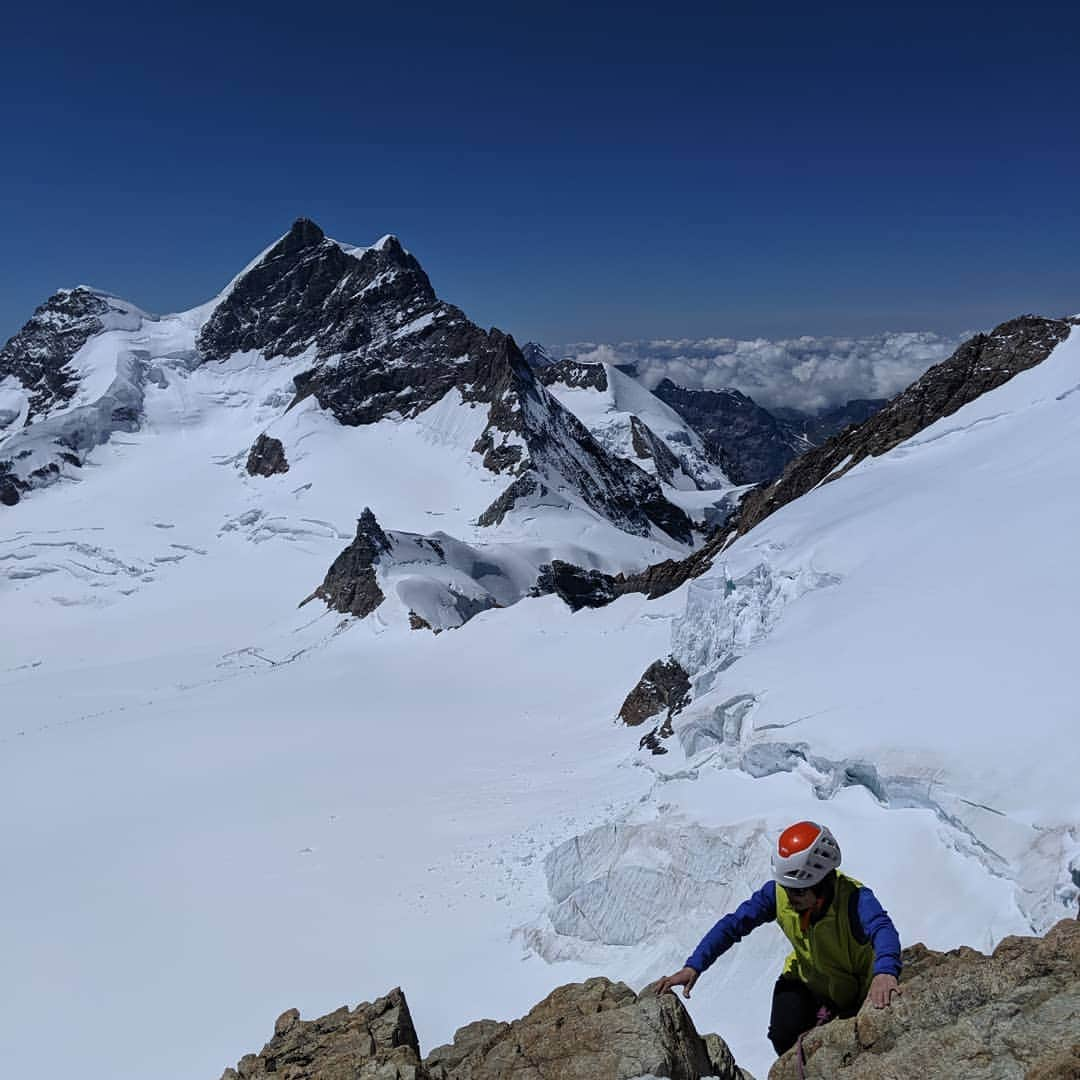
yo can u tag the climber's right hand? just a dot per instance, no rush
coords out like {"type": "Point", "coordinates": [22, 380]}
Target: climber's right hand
{"type": "Point", "coordinates": [685, 977]}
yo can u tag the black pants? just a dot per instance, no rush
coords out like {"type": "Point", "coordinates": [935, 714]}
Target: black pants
{"type": "Point", "coordinates": [794, 1010]}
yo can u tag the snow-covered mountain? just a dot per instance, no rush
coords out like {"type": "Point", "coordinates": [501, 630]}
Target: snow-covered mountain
{"type": "Point", "coordinates": [752, 443]}
{"type": "Point", "coordinates": [632, 423]}
{"type": "Point", "coordinates": [370, 391]}
{"type": "Point", "coordinates": [222, 804]}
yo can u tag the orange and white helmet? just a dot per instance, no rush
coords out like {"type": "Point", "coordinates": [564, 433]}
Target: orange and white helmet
{"type": "Point", "coordinates": [804, 854]}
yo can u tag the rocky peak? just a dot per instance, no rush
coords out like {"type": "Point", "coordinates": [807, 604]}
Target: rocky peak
{"type": "Point", "coordinates": [308, 291]}
{"type": "Point", "coordinates": [39, 354]}
{"type": "Point", "coordinates": [350, 585]}
{"type": "Point", "coordinates": [536, 355]}
{"type": "Point", "coordinates": [303, 234]}
{"type": "Point", "coordinates": [385, 346]}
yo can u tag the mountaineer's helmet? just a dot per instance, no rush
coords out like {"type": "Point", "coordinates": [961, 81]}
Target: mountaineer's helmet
{"type": "Point", "coordinates": [804, 855]}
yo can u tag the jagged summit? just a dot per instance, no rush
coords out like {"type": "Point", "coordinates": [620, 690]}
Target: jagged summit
{"type": "Point", "coordinates": [365, 337]}
{"type": "Point", "coordinates": [309, 290]}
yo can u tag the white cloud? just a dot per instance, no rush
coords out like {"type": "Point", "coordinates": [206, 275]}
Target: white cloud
{"type": "Point", "coordinates": [804, 373]}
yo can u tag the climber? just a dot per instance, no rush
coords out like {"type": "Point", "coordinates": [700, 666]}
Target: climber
{"type": "Point", "coordinates": [845, 946]}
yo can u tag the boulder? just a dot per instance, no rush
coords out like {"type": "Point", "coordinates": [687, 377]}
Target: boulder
{"type": "Point", "coordinates": [963, 1016]}
{"type": "Point", "coordinates": [374, 1041]}
{"type": "Point", "coordinates": [267, 457]}
{"type": "Point", "coordinates": [596, 1030]}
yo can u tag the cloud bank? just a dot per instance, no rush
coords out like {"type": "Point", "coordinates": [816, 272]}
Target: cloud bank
{"type": "Point", "coordinates": [805, 373]}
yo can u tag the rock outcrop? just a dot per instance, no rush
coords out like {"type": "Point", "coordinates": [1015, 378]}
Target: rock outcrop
{"type": "Point", "coordinates": [375, 1040]}
{"type": "Point", "coordinates": [597, 1030]}
{"type": "Point", "coordinates": [662, 692]}
{"type": "Point", "coordinates": [267, 457]}
{"type": "Point", "coordinates": [576, 587]}
{"type": "Point", "coordinates": [1014, 1014]}
{"type": "Point", "coordinates": [664, 687]}
{"type": "Point", "coordinates": [350, 585]}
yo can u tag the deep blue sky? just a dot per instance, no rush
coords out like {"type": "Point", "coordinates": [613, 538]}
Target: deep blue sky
{"type": "Point", "coordinates": [564, 171]}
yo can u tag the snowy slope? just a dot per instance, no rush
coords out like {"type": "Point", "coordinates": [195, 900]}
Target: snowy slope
{"type": "Point", "coordinates": [222, 805]}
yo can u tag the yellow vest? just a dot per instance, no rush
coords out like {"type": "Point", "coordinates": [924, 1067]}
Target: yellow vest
{"type": "Point", "coordinates": [827, 956]}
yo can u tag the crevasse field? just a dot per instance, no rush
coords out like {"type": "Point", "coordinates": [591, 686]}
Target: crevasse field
{"type": "Point", "coordinates": [220, 805]}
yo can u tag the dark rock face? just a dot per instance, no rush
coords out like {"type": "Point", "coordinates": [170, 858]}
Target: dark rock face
{"type": "Point", "coordinates": [981, 364]}
{"type": "Point", "coordinates": [308, 291]}
{"type": "Point", "coordinates": [597, 1030]}
{"type": "Point", "coordinates": [750, 444]}
{"type": "Point", "coordinates": [267, 457]}
{"type": "Point", "coordinates": [350, 586]}
{"type": "Point", "coordinates": [536, 356]}
{"type": "Point", "coordinates": [576, 587]}
{"type": "Point", "coordinates": [814, 430]}
{"type": "Point", "coordinates": [663, 691]}
{"type": "Point", "coordinates": [376, 1039]}
{"type": "Point", "coordinates": [10, 488]}
{"type": "Point", "coordinates": [574, 374]}
{"type": "Point", "coordinates": [39, 354]}
{"type": "Point", "coordinates": [647, 445]}
{"type": "Point", "coordinates": [383, 345]}
{"type": "Point", "coordinates": [962, 1014]}
{"type": "Point", "coordinates": [593, 588]}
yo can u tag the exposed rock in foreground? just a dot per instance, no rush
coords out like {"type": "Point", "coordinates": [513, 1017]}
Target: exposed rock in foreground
{"type": "Point", "coordinates": [375, 1039]}
{"type": "Point", "coordinates": [267, 457]}
{"type": "Point", "coordinates": [1015, 1014]}
{"type": "Point", "coordinates": [597, 1030]}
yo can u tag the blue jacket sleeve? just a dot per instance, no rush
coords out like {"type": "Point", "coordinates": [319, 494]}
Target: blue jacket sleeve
{"type": "Point", "coordinates": [874, 925]}
{"type": "Point", "coordinates": [752, 913]}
